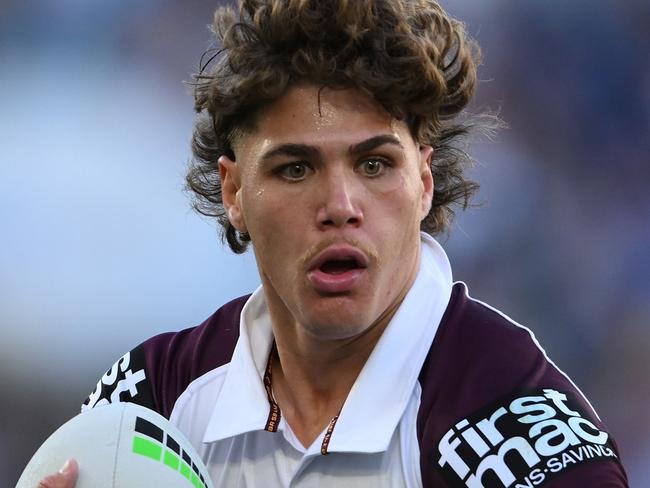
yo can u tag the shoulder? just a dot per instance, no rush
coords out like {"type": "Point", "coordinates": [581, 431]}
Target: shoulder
{"type": "Point", "coordinates": [479, 345]}
{"type": "Point", "coordinates": [495, 408]}
{"type": "Point", "coordinates": [155, 373]}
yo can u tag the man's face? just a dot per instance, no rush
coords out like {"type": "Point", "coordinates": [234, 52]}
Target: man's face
{"type": "Point", "coordinates": [332, 193]}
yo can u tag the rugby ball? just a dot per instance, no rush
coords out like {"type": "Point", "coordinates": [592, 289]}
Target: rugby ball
{"type": "Point", "coordinates": [120, 445]}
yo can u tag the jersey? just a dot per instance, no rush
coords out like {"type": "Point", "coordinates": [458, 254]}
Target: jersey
{"type": "Point", "coordinates": [455, 394]}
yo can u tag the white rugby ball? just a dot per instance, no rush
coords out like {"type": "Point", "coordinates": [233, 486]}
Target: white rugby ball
{"type": "Point", "coordinates": [121, 445]}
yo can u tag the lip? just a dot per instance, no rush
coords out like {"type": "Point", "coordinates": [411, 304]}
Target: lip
{"type": "Point", "coordinates": [339, 282]}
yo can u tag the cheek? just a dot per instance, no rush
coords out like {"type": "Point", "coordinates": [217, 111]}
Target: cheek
{"type": "Point", "coordinates": [394, 182]}
{"type": "Point", "coordinates": [273, 226]}
{"type": "Point", "coordinates": [401, 197]}
{"type": "Point", "coordinates": [260, 223]}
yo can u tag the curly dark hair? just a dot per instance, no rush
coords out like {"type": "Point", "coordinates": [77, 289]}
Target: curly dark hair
{"type": "Point", "coordinates": [409, 55]}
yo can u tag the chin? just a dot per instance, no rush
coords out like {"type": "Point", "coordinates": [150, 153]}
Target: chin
{"type": "Point", "coordinates": [336, 326]}
{"type": "Point", "coordinates": [338, 317]}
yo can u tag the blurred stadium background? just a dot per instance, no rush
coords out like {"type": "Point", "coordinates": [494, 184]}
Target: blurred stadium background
{"type": "Point", "coordinates": [99, 250]}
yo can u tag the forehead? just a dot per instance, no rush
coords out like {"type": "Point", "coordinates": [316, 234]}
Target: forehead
{"type": "Point", "coordinates": [322, 117]}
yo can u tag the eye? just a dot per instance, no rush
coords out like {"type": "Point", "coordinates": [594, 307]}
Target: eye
{"type": "Point", "coordinates": [373, 167]}
{"type": "Point", "coordinates": [293, 171]}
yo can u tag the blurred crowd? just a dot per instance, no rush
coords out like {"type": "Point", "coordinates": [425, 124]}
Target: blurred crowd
{"type": "Point", "coordinates": [99, 250]}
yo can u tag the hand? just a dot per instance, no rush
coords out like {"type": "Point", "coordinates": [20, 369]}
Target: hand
{"type": "Point", "coordinates": [65, 478]}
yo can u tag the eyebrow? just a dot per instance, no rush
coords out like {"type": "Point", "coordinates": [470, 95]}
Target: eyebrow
{"type": "Point", "coordinates": [374, 142]}
{"type": "Point", "coordinates": [295, 150]}
{"type": "Point", "coordinates": [312, 152]}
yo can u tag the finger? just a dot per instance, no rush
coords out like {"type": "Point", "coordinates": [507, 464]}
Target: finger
{"type": "Point", "coordinates": [65, 478]}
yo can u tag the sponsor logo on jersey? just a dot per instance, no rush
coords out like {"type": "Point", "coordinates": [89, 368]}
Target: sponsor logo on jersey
{"type": "Point", "coordinates": [522, 441]}
{"type": "Point", "coordinates": [120, 383]}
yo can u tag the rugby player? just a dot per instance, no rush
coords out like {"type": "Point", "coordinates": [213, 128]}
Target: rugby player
{"type": "Point", "coordinates": [327, 137]}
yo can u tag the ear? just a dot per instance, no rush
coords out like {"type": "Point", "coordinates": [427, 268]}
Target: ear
{"type": "Point", "coordinates": [231, 192]}
{"type": "Point", "coordinates": [426, 153]}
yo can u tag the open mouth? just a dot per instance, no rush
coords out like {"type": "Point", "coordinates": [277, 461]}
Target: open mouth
{"type": "Point", "coordinates": [339, 266]}
{"type": "Point", "coordinates": [338, 269]}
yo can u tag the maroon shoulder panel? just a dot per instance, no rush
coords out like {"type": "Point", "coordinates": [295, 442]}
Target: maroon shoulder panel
{"type": "Point", "coordinates": [175, 359]}
{"type": "Point", "coordinates": [496, 413]}
{"type": "Point", "coordinates": [156, 372]}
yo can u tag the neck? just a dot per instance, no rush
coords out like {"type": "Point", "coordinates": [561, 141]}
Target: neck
{"type": "Point", "coordinates": [312, 377]}
{"type": "Point", "coordinates": [310, 383]}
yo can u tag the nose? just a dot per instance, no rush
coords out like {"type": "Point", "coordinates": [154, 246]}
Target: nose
{"type": "Point", "coordinates": [339, 202]}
